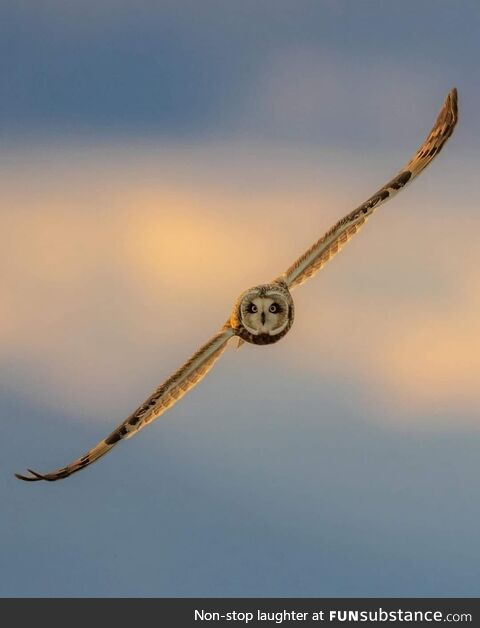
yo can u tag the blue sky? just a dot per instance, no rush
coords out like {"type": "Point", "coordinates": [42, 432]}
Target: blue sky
{"type": "Point", "coordinates": [185, 69]}
{"type": "Point", "coordinates": [146, 147]}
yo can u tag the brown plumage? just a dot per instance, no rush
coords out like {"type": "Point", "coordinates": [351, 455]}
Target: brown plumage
{"type": "Point", "coordinates": [330, 243]}
{"type": "Point", "coordinates": [268, 325]}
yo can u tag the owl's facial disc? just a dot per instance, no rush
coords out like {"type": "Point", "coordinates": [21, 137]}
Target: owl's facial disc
{"type": "Point", "coordinates": [263, 314]}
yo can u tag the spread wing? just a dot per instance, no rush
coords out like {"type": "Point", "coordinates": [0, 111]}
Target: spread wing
{"type": "Point", "coordinates": [325, 248]}
{"type": "Point", "coordinates": [165, 396]}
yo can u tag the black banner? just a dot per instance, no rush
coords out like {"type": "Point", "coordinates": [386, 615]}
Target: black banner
{"type": "Point", "coordinates": [202, 612]}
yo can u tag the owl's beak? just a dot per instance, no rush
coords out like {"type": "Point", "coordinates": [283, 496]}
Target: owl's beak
{"type": "Point", "coordinates": [263, 318]}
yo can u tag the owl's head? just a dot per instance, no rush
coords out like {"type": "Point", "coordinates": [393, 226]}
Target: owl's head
{"type": "Point", "coordinates": [262, 315]}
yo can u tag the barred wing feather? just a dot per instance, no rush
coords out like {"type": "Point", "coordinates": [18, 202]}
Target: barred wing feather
{"type": "Point", "coordinates": [325, 248]}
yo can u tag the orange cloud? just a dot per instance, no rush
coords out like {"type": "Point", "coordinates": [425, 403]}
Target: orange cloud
{"type": "Point", "coordinates": [112, 263]}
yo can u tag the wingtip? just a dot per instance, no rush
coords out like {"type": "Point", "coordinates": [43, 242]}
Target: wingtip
{"type": "Point", "coordinates": [35, 477]}
{"type": "Point", "coordinates": [26, 478]}
{"type": "Point", "coordinates": [452, 99]}
{"type": "Point", "coordinates": [449, 112]}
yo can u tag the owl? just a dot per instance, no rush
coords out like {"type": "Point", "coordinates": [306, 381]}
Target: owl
{"type": "Point", "coordinates": [264, 314]}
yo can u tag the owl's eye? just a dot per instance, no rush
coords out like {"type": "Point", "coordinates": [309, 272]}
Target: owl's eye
{"type": "Point", "coordinates": [274, 308]}
{"type": "Point", "coordinates": [252, 308]}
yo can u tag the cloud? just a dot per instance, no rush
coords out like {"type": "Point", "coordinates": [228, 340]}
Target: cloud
{"type": "Point", "coordinates": [319, 94]}
{"type": "Point", "coordinates": [120, 265]}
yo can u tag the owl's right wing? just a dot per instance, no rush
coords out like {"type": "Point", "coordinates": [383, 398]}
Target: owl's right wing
{"type": "Point", "coordinates": [325, 248]}
{"type": "Point", "coordinates": [163, 398]}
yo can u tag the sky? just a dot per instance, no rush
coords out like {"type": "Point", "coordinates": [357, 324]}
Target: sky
{"type": "Point", "coordinates": [155, 161]}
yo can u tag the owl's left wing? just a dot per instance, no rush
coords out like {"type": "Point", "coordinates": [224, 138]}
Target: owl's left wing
{"type": "Point", "coordinates": [325, 248]}
{"type": "Point", "coordinates": [163, 398]}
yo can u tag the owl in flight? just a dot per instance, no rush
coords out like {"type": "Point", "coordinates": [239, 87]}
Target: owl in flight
{"type": "Point", "coordinates": [264, 314]}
